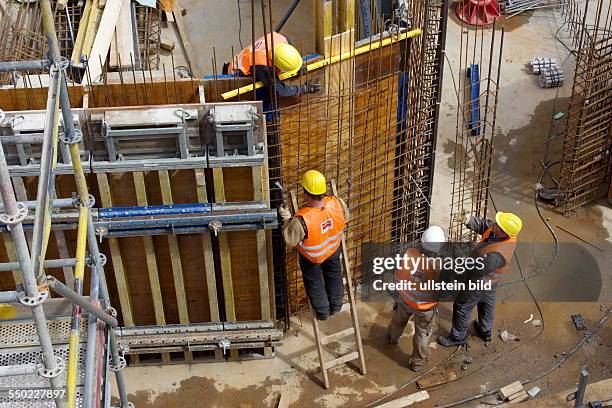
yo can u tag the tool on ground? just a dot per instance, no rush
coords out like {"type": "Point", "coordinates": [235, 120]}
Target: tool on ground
{"type": "Point", "coordinates": [353, 330]}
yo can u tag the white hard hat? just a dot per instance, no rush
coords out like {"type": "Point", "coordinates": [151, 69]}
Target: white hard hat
{"type": "Point", "coordinates": [433, 238]}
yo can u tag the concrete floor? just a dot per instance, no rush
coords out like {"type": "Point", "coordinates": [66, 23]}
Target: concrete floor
{"type": "Point", "coordinates": [523, 120]}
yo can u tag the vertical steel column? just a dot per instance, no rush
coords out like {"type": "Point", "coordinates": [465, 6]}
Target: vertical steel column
{"type": "Point", "coordinates": [92, 335]}
{"type": "Point", "coordinates": [118, 363]}
{"type": "Point", "coordinates": [52, 365]}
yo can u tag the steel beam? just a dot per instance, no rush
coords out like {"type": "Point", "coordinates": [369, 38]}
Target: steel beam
{"type": "Point", "coordinates": [30, 65]}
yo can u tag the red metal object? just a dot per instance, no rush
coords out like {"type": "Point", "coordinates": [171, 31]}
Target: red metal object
{"type": "Point", "coordinates": [478, 12]}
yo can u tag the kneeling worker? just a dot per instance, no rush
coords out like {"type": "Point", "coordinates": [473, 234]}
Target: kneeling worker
{"type": "Point", "coordinates": [420, 304]}
{"type": "Point", "coordinates": [316, 230]}
{"type": "Point", "coordinates": [286, 59]}
{"type": "Point", "coordinates": [496, 247]}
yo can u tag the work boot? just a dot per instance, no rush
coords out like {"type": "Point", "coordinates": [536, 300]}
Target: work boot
{"type": "Point", "coordinates": [334, 310]}
{"type": "Point", "coordinates": [450, 341]}
{"type": "Point", "coordinates": [414, 366]}
{"type": "Point", "coordinates": [321, 316]}
{"type": "Point", "coordinates": [485, 336]}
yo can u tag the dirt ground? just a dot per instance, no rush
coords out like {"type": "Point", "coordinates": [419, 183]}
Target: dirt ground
{"type": "Point", "coordinates": [524, 122]}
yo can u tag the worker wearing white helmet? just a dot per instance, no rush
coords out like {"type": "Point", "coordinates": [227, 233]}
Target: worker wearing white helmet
{"type": "Point", "coordinates": [420, 304]}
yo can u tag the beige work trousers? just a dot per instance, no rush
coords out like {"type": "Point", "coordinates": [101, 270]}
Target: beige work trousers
{"type": "Point", "coordinates": [424, 324]}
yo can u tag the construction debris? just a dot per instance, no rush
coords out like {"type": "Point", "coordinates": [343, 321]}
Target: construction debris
{"type": "Point", "coordinates": [406, 401]}
{"type": "Point", "coordinates": [533, 391]}
{"type": "Point", "coordinates": [579, 323]}
{"type": "Point", "coordinates": [506, 336]}
{"type": "Point", "coordinates": [510, 389]}
{"type": "Point", "coordinates": [436, 379]}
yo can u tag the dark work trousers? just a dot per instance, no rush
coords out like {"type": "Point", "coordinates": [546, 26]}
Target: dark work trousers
{"type": "Point", "coordinates": [323, 284]}
{"type": "Point", "coordinates": [484, 300]}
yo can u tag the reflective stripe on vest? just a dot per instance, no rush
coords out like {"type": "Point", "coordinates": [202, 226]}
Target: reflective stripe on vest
{"type": "Point", "coordinates": [505, 248]}
{"type": "Point", "coordinates": [324, 228]}
{"type": "Point", "coordinates": [244, 60]}
{"type": "Point", "coordinates": [416, 299]}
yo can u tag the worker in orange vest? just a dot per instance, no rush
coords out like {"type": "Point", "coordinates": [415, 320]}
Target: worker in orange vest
{"type": "Point", "coordinates": [267, 65]}
{"type": "Point", "coordinates": [420, 304]}
{"type": "Point", "coordinates": [496, 247]}
{"type": "Point", "coordinates": [316, 231]}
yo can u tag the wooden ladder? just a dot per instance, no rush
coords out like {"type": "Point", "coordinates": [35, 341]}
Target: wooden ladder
{"type": "Point", "coordinates": [354, 330]}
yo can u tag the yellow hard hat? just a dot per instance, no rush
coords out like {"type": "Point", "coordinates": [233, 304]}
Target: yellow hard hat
{"type": "Point", "coordinates": [510, 223]}
{"type": "Point", "coordinates": [7, 312]}
{"type": "Point", "coordinates": [314, 182]}
{"type": "Point", "coordinates": [287, 58]}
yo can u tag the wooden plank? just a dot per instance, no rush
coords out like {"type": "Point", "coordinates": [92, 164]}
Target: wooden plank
{"type": "Point", "coordinates": [122, 284]}
{"type": "Point", "coordinates": [346, 15]}
{"type": "Point", "coordinates": [184, 37]}
{"type": "Point", "coordinates": [323, 23]}
{"type": "Point", "coordinates": [406, 401]}
{"type": "Point", "coordinates": [337, 336]}
{"type": "Point", "coordinates": [123, 37]}
{"type": "Point", "coordinates": [436, 379]}
{"type": "Point", "coordinates": [101, 45]}
{"type": "Point", "coordinates": [209, 261]}
{"type": "Point", "coordinates": [518, 397]}
{"type": "Point", "coordinates": [175, 256]}
{"type": "Point", "coordinates": [90, 32]}
{"type": "Point", "coordinates": [12, 256]}
{"type": "Point", "coordinates": [510, 389]}
{"type": "Point", "coordinates": [156, 293]}
{"type": "Point", "coordinates": [340, 360]}
{"type": "Point", "coordinates": [166, 43]}
{"type": "Point", "coordinates": [225, 257]}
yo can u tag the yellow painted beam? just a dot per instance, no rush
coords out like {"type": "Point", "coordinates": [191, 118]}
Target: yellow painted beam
{"type": "Point", "coordinates": [324, 62]}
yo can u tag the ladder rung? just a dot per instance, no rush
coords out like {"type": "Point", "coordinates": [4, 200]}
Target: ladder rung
{"type": "Point", "coordinates": [336, 336]}
{"type": "Point", "coordinates": [340, 360]}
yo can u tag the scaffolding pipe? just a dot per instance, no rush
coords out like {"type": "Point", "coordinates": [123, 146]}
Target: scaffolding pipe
{"type": "Point", "coordinates": [75, 322]}
{"type": "Point", "coordinates": [45, 180]}
{"type": "Point", "coordinates": [105, 299]}
{"type": "Point", "coordinates": [27, 139]}
{"type": "Point", "coordinates": [81, 301]}
{"type": "Point", "coordinates": [48, 264]}
{"type": "Point", "coordinates": [91, 376]}
{"type": "Point", "coordinates": [29, 280]}
{"type": "Point", "coordinates": [57, 203]}
{"type": "Point", "coordinates": [31, 65]}
{"type": "Point", "coordinates": [285, 17]}
{"type": "Point", "coordinates": [11, 296]}
{"type": "Point", "coordinates": [21, 369]}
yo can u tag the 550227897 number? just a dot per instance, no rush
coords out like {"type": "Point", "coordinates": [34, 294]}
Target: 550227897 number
{"type": "Point", "coordinates": [18, 394]}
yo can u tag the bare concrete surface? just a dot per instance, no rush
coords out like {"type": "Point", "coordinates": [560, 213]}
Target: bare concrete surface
{"type": "Point", "coordinates": [523, 123]}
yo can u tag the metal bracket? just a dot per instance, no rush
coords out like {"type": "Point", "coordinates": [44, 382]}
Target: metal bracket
{"type": "Point", "coordinates": [91, 263]}
{"type": "Point", "coordinates": [122, 361]}
{"type": "Point", "coordinates": [120, 405]}
{"type": "Point", "coordinates": [45, 373]}
{"type": "Point", "coordinates": [76, 201]}
{"type": "Point", "coordinates": [22, 213]}
{"type": "Point", "coordinates": [215, 226]}
{"type": "Point", "coordinates": [35, 300]}
{"type": "Point", "coordinates": [224, 345]}
{"type": "Point", "coordinates": [112, 311]}
{"type": "Point", "coordinates": [74, 138]}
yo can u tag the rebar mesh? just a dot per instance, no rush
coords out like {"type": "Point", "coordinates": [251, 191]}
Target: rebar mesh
{"type": "Point", "coordinates": [586, 161]}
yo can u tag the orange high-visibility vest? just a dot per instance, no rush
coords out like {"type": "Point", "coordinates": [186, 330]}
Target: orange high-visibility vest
{"type": "Point", "coordinates": [324, 227]}
{"type": "Point", "coordinates": [417, 299]}
{"type": "Point", "coordinates": [243, 62]}
{"type": "Point", "coordinates": [505, 248]}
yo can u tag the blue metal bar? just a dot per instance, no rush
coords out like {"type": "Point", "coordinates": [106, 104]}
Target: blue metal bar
{"type": "Point", "coordinates": [153, 210]}
{"type": "Point", "coordinates": [187, 230]}
{"type": "Point", "coordinates": [474, 114]}
{"type": "Point", "coordinates": [259, 217]}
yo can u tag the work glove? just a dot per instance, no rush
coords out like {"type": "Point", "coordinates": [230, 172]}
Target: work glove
{"type": "Point", "coordinates": [463, 217]}
{"type": "Point", "coordinates": [284, 213]}
{"type": "Point", "coordinates": [312, 87]}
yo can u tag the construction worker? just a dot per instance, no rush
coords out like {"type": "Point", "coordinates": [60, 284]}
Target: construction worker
{"type": "Point", "coordinates": [496, 247]}
{"type": "Point", "coordinates": [420, 304]}
{"type": "Point", "coordinates": [286, 59]}
{"type": "Point", "coordinates": [316, 231]}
